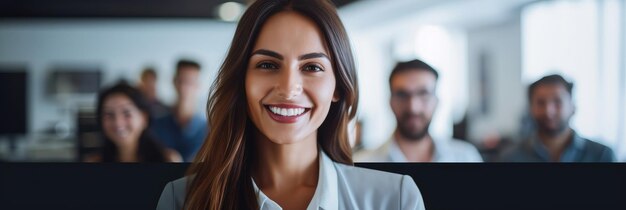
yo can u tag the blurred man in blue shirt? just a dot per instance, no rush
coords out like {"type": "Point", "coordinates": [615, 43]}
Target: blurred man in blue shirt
{"type": "Point", "coordinates": [551, 107]}
{"type": "Point", "coordinates": [183, 129]}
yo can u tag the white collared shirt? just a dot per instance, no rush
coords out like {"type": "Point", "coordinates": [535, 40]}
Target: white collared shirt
{"type": "Point", "coordinates": [325, 196]}
{"type": "Point", "coordinates": [451, 150]}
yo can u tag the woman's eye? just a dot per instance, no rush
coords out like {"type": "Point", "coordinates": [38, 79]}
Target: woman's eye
{"type": "Point", "coordinates": [109, 115]}
{"type": "Point", "coordinates": [266, 65]}
{"type": "Point", "coordinates": [313, 68]}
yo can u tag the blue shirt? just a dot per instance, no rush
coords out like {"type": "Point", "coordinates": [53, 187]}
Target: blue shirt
{"type": "Point", "coordinates": [578, 150]}
{"type": "Point", "coordinates": [186, 140]}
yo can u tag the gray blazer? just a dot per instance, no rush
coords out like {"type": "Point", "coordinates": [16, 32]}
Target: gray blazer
{"type": "Point", "coordinates": [356, 188]}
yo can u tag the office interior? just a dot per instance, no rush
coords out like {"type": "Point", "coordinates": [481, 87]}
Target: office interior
{"type": "Point", "coordinates": [487, 52]}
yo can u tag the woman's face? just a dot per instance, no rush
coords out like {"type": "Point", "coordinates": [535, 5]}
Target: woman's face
{"type": "Point", "coordinates": [122, 121]}
{"type": "Point", "coordinates": [290, 82]}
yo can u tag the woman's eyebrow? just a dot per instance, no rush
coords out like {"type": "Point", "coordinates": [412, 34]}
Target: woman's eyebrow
{"type": "Point", "coordinates": [268, 53]}
{"type": "Point", "coordinates": [313, 55]}
{"type": "Point", "coordinates": [280, 57]}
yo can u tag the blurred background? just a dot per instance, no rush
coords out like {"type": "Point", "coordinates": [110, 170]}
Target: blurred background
{"type": "Point", "coordinates": [56, 55]}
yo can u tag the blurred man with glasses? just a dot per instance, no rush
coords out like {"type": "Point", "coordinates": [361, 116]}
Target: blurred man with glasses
{"type": "Point", "coordinates": [413, 101]}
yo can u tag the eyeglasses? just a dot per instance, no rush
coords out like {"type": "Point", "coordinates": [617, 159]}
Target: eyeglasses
{"type": "Point", "coordinates": [423, 96]}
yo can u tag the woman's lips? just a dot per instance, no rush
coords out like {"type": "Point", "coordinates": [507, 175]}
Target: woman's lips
{"type": "Point", "coordinates": [286, 113]}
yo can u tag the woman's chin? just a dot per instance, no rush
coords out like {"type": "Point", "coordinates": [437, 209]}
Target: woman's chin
{"type": "Point", "coordinates": [123, 140]}
{"type": "Point", "coordinates": [285, 139]}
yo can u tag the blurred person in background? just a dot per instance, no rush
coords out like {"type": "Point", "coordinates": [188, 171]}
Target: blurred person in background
{"type": "Point", "coordinates": [413, 101]}
{"type": "Point", "coordinates": [147, 86]}
{"type": "Point", "coordinates": [124, 117]}
{"type": "Point", "coordinates": [553, 140]}
{"type": "Point", "coordinates": [183, 129]}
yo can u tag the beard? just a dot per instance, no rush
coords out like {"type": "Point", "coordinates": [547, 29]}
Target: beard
{"type": "Point", "coordinates": [410, 131]}
{"type": "Point", "coordinates": [544, 127]}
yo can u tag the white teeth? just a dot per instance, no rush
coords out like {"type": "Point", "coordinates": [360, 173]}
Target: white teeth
{"type": "Point", "coordinates": [121, 133]}
{"type": "Point", "coordinates": [287, 111]}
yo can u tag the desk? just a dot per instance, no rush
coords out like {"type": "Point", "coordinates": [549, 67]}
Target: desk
{"type": "Point", "coordinates": [39, 148]}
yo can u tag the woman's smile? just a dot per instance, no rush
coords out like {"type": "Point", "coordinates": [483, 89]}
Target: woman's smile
{"type": "Point", "coordinates": [286, 113]}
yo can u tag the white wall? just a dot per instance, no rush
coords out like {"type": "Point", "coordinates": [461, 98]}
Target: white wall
{"type": "Point", "coordinates": [120, 48]}
{"type": "Point", "coordinates": [374, 62]}
{"type": "Point", "coordinates": [506, 93]}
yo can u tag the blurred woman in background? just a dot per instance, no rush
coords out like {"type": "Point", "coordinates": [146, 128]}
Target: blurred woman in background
{"type": "Point", "coordinates": [123, 116]}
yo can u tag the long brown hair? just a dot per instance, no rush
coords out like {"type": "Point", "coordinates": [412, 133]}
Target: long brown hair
{"type": "Point", "coordinates": [221, 170]}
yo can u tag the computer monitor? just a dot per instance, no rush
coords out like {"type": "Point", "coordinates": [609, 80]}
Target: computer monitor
{"type": "Point", "coordinates": [74, 81]}
{"type": "Point", "coordinates": [13, 103]}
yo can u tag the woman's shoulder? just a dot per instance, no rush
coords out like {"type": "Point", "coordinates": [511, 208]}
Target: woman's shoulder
{"type": "Point", "coordinates": [368, 186]}
{"type": "Point", "coordinates": [173, 195]}
{"type": "Point", "coordinates": [181, 182]}
{"type": "Point", "coordinates": [366, 174]}
{"type": "Point", "coordinates": [370, 179]}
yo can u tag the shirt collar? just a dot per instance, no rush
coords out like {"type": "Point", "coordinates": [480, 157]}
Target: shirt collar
{"type": "Point", "coordinates": [326, 193]}
{"type": "Point", "coordinates": [569, 153]}
{"type": "Point", "coordinates": [396, 155]}
{"type": "Point", "coordinates": [578, 141]}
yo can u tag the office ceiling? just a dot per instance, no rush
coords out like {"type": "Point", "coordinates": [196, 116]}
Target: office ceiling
{"type": "Point", "coordinates": [17, 9]}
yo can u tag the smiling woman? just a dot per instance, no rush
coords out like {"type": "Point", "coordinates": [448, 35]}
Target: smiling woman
{"type": "Point", "coordinates": [123, 115]}
{"type": "Point", "coordinates": [280, 109]}
{"type": "Point", "coordinates": [290, 81]}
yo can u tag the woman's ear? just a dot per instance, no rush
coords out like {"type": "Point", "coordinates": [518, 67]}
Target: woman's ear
{"type": "Point", "coordinates": [146, 119]}
{"type": "Point", "coordinates": [336, 96]}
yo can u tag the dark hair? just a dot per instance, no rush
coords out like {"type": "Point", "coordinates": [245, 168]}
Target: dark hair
{"type": "Point", "coordinates": [183, 63]}
{"type": "Point", "coordinates": [148, 72]}
{"type": "Point", "coordinates": [221, 171]}
{"type": "Point", "coordinates": [412, 65]}
{"type": "Point", "coordinates": [553, 79]}
{"type": "Point", "coordinates": [148, 150]}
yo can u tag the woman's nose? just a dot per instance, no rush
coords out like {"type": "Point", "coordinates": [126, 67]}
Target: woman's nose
{"type": "Point", "coordinates": [290, 84]}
